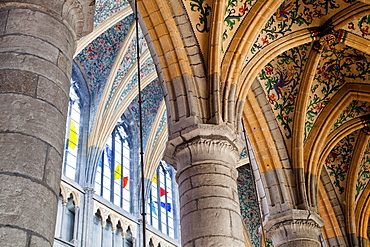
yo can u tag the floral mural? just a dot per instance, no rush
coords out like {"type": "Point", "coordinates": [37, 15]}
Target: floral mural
{"type": "Point", "coordinates": [249, 204]}
{"type": "Point", "coordinates": [281, 80]}
{"type": "Point", "coordinates": [97, 59]}
{"type": "Point", "coordinates": [106, 8]}
{"type": "Point", "coordinates": [339, 65]}
{"type": "Point", "coordinates": [364, 172]}
{"type": "Point", "coordinates": [235, 12]}
{"type": "Point", "coordinates": [295, 15]}
{"type": "Point", "coordinates": [152, 97]}
{"type": "Point", "coordinates": [355, 109]}
{"type": "Point", "coordinates": [339, 160]}
{"type": "Point", "coordinates": [360, 27]}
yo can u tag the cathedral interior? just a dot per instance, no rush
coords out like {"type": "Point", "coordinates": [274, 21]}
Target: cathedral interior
{"type": "Point", "coordinates": [193, 123]}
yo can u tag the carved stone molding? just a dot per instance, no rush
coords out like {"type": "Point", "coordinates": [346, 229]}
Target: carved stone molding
{"type": "Point", "coordinates": [77, 15]}
{"type": "Point", "coordinates": [115, 218]}
{"type": "Point", "coordinates": [204, 142]}
{"type": "Point", "coordinates": [67, 191]}
{"type": "Point", "coordinates": [294, 227]}
{"type": "Point", "coordinates": [156, 240]}
{"type": "Point", "coordinates": [80, 15]}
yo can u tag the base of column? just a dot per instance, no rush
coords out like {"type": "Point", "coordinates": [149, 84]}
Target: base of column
{"type": "Point", "coordinates": [295, 228]}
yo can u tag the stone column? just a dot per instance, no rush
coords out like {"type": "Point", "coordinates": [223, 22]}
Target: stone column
{"type": "Point", "coordinates": [209, 206]}
{"type": "Point", "coordinates": [37, 41]}
{"type": "Point", "coordinates": [295, 228]}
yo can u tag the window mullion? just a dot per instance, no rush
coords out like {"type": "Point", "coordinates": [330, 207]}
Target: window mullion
{"type": "Point", "coordinates": [112, 167]}
{"type": "Point", "coordinates": [159, 199]}
{"type": "Point", "coordinates": [121, 182]}
{"type": "Point", "coordinates": [102, 174]}
{"type": "Point", "coordinates": [166, 199]}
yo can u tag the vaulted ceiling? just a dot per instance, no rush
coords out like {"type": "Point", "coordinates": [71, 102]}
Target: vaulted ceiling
{"type": "Point", "coordinates": [297, 71]}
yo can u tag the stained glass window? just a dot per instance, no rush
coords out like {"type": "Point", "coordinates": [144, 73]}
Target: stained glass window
{"type": "Point", "coordinates": [113, 172]}
{"type": "Point", "coordinates": [77, 117]}
{"type": "Point", "coordinates": [161, 200]}
{"type": "Point", "coordinates": [72, 134]}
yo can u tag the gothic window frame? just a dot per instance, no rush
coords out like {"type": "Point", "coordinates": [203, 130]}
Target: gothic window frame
{"type": "Point", "coordinates": [159, 205]}
{"type": "Point", "coordinates": [119, 192]}
{"type": "Point", "coordinates": [66, 220]}
{"type": "Point", "coordinates": [78, 89]}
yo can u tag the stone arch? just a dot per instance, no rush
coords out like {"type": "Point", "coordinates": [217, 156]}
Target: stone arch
{"type": "Point", "coordinates": [333, 230]}
{"type": "Point", "coordinates": [182, 85]}
{"type": "Point", "coordinates": [67, 191]}
{"type": "Point", "coordinates": [322, 126]}
{"type": "Point", "coordinates": [361, 224]}
{"type": "Point", "coordinates": [235, 56]}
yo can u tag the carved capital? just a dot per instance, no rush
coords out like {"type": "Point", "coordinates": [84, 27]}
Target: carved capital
{"type": "Point", "coordinates": [294, 227]}
{"type": "Point", "coordinates": [204, 143]}
{"type": "Point", "coordinates": [80, 15]}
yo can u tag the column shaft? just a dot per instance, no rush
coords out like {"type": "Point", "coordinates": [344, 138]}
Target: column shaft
{"type": "Point", "coordinates": [36, 48]}
{"type": "Point", "coordinates": [206, 158]}
{"type": "Point", "coordinates": [210, 212]}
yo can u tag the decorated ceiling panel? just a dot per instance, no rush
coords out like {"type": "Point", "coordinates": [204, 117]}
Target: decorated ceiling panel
{"type": "Point", "coordinates": [364, 172]}
{"type": "Point", "coordinates": [152, 97]}
{"type": "Point", "coordinates": [236, 11]}
{"type": "Point", "coordinates": [104, 9]}
{"type": "Point", "coordinates": [249, 204]}
{"type": "Point", "coordinates": [199, 12]}
{"type": "Point", "coordinates": [97, 59]}
{"type": "Point", "coordinates": [339, 161]}
{"type": "Point", "coordinates": [360, 26]}
{"type": "Point", "coordinates": [295, 15]}
{"type": "Point", "coordinates": [281, 80]}
{"type": "Point", "coordinates": [147, 68]}
{"type": "Point", "coordinates": [127, 63]}
{"type": "Point", "coordinates": [339, 65]}
{"type": "Point", "coordinates": [354, 109]}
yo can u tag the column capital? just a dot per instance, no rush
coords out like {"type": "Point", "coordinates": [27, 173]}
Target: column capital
{"type": "Point", "coordinates": [294, 227]}
{"type": "Point", "coordinates": [202, 142]}
{"type": "Point", "coordinates": [80, 15]}
{"type": "Point", "coordinates": [77, 15]}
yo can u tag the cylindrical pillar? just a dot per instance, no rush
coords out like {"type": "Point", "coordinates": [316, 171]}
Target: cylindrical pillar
{"type": "Point", "coordinates": [36, 48]}
{"type": "Point", "coordinates": [295, 228]}
{"type": "Point", "coordinates": [209, 204]}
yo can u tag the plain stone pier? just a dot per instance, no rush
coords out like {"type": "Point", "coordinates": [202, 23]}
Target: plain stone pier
{"type": "Point", "coordinates": [37, 41]}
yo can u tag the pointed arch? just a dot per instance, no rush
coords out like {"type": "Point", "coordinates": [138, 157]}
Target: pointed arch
{"type": "Point", "coordinates": [351, 214]}
{"type": "Point", "coordinates": [182, 93]}
{"type": "Point", "coordinates": [83, 42]}
{"type": "Point", "coordinates": [320, 141]}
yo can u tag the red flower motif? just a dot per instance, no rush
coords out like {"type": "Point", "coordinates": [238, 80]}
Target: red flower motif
{"type": "Point", "coordinates": [351, 26]}
{"type": "Point", "coordinates": [264, 40]}
{"type": "Point", "coordinates": [319, 106]}
{"type": "Point", "coordinates": [318, 14]}
{"type": "Point", "coordinates": [365, 31]}
{"type": "Point", "coordinates": [341, 81]}
{"type": "Point", "coordinates": [272, 98]}
{"type": "Point", "coordinates": [345, 167]}
{"type": "Point", "coordinates": [243, 9]}
{"type": "Point", "coordinates": [269, 70]}
{"type": "Point", "coordinates": [291, 98]}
